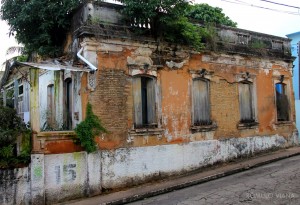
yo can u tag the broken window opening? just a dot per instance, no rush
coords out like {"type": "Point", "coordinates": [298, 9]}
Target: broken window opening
{"type": "Point", "coordinates": [277, 45]}
{"type": "Point", "coordinates": [68, 102]}
{"type": "Point", "coordinates": [282, 102]}
{"type": "Point", "coordinates": [201, 102]}
{"type": "Point", "coordinates": [247, 114]}
{"type": "Point", "coordinates": [242, 39]}
{"type": "Point", "coordinates": [144, 102]}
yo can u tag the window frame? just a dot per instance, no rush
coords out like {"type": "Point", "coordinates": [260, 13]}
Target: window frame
{"type": "Point", "coordinates": [144, 119]}
{"type": "Point", "coordinates": [68, 102]}
{"type": "Point", "coordinates": [208, 101]}
{"type": "Point", "coordinates": [50, 105]}
{"type": "Point", "coordinates": [203, 75]}
{"type": "Point", "coordinates": [286, 82]}
{"type": "Point", "coordinates": [247, 78]}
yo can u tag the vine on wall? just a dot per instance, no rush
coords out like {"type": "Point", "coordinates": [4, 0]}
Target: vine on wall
{"type": "Point", "coordinates": [88, 129]}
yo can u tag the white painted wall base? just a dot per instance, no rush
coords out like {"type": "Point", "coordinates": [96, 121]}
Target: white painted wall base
{"type": "Point", "coordinates": [126, 166]}
{"type": "Point", "coordinates": [60, 177]}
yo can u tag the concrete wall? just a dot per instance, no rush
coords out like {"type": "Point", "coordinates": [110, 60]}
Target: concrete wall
{"type": "Point", "coordinates": [69, 176]}
{"type": "Point", "coordinates": [129, 166]}
{"type": "Point", "coordinates": [15, 186]}
{"type": "Point", "coordinates": [60, 177]}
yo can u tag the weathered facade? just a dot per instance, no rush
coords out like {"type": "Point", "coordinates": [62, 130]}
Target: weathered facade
{"type": "Point", "coordinates": [168, 109]}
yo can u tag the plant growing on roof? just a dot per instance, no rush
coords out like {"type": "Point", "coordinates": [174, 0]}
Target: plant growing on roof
{"type": "Point", "coordinates": [174, 20]}
{"type": "Point", "coordinates": [88, 129]}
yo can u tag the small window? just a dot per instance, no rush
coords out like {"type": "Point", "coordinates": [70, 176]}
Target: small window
{"type": "Point", "coordinates": [21, 90]}
{"type": "Point", "coordinates": [282, 102]}
{"type": "Point", "coordinates": [242, 39]}
{"type": "Point", "coordinates": [144, 102]}
{"type": "Point", "coordinates": [50, 105]}
{"type": "Point", "coordinates": [247, 114]}
{"type": "Point", "coordinates": [201, 102]}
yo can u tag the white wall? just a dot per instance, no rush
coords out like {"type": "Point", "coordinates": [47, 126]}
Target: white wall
{"type": "Point", "coordinates": [133, 165]}
{"type": "Point", "coordinates": [59, 177]}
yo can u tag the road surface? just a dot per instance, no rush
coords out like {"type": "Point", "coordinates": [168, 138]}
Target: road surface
{"type": "Point", "coordinates": [275, 183]}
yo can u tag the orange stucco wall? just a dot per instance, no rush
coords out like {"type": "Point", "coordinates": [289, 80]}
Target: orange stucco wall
{"type": "Point", "coordinates": [113, 103]}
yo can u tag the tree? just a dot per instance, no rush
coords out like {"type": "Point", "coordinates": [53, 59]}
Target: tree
{"type": "Point", "coordinates": [40, 25]}
{"type": "Point", "coordinates": [171, 20]}
{"type": "Point", "coordinates": [11, 126]}
{"type": "Point", "coordinates": [207, 14]}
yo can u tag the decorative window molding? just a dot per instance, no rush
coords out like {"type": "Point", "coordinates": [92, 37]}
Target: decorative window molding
{"type": "Point", "coordinates": [92, 80]}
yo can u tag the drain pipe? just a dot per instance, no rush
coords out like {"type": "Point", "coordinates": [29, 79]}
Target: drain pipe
{"type": "Point", "coordinates": [94, 68]}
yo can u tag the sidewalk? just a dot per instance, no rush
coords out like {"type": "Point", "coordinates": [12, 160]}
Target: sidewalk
{"type": "Point", "coordinates": [175, 183]}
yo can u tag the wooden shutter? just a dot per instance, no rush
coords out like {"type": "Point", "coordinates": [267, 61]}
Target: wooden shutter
{"type": "Point", "coordinates": [245, 96]}
{"type": "Point", "coordinates": [201, 115]}
{"type": "Point", "coordinates": [137, 100]}
{"type": "Point", "coordinates": [151, 113]}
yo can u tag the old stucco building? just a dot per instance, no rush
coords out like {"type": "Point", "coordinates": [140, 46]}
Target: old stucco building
{"type": "Point", "coordinates": [168, 109]}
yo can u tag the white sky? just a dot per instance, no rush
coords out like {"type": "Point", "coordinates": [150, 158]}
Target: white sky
{"type": "Point", "coordinates": [247, 17]}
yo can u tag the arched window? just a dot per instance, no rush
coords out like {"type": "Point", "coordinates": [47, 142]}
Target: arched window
{"type": "Point", "coordinates": [201, 102]}
{"type": "Point", "coordinates": [144, 101]}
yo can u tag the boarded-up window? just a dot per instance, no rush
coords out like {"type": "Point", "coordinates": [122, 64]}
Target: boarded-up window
{"type": "Point", "coordinates": [50, 105]}
{"type": "Point", "coordinates": [246, 102]}
{"type": "Point", "coordinates": [144, 102]}
{"type": "Point", "coordinates": [68, 102]}
{"type": "Point", "coordinates": [201, 102]}
{"type": "Point", "coordinates": [282, 102]}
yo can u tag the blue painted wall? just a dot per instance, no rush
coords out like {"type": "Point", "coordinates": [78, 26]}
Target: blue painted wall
{"type": "Point", "coordinates": [295, 52]}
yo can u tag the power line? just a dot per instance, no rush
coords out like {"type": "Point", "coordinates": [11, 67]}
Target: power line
{"type": "Point", "coordinates": [261, 7]}
{"type": "Point", "coordinates": [272, 2]}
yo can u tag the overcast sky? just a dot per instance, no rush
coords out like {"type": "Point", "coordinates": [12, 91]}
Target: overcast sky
{"type": "Point", "coordinates": [275, 19]}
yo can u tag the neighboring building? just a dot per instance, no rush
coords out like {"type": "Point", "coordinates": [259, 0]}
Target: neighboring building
{"type": "Point", "coordinates": [296, 74]}
{"type": "Point", "coordinates": [168, 109]}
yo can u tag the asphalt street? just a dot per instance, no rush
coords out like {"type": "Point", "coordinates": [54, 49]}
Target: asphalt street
{"type": "Point", "coordinates": [275, 183]}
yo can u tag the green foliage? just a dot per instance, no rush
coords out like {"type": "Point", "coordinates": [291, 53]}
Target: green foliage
{"type": "Point", "coordinates": [187, 33]}
{"type": "Point", "coordinates": [11, 126]}
{"type": "Point", "coordinates": [207, 14]}
{"type": "Point", "coordinates": [170, 19]}
{"type": "Point", "coordinates": [40, 25]}
{"type": "Point", "coordinates": [22, 58]}
{"type": "Point", "coordinates": [257, 44]}
{"type": "Point", "coordinates": [88, 129]}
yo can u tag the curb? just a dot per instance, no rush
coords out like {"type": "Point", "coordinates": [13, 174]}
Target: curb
{"type": "Point", "coordinates": [196, 182]}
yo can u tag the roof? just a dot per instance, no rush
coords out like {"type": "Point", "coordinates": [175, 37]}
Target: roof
{"type": "Point", "coordinates": [52, 64]}
{"type": "Point", "coordinates": [55, 65]}
{"type": "Point", "coordinates": [292, 34]}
